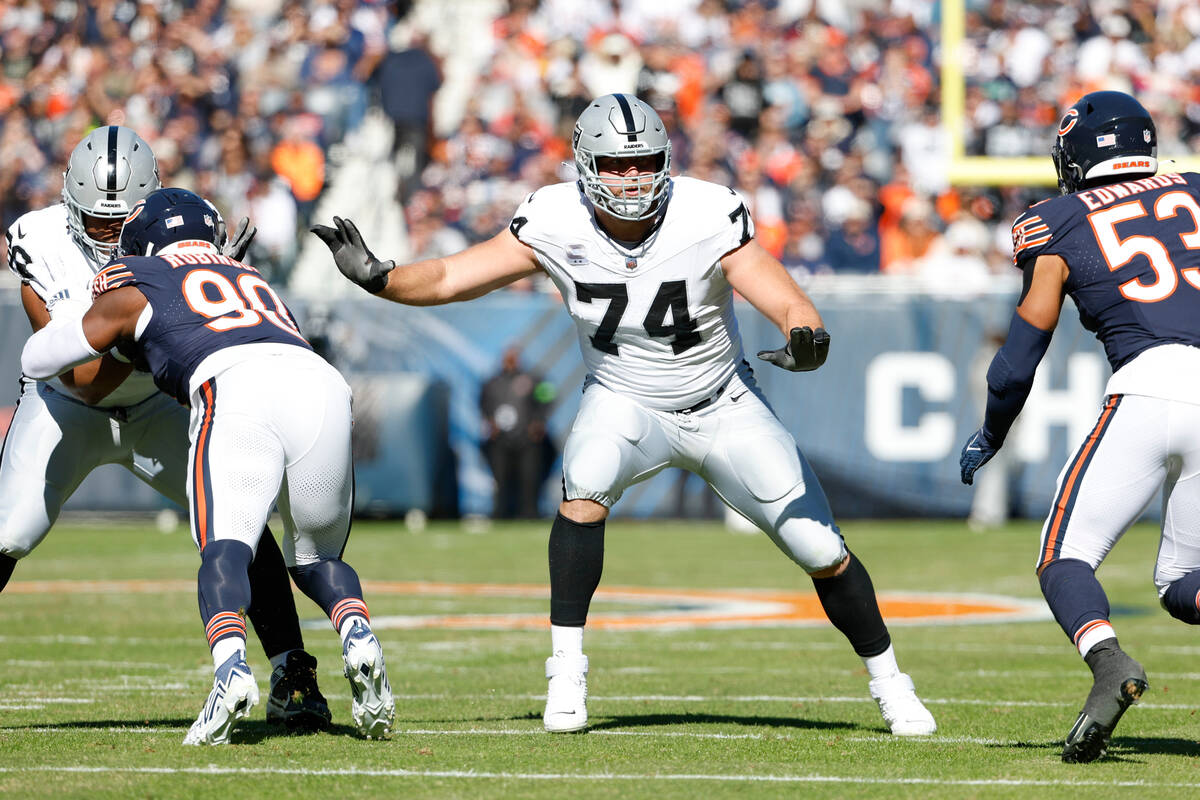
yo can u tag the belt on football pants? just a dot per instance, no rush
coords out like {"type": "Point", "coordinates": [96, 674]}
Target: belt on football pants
{"type": "Point", "coordinates": [703, 404]}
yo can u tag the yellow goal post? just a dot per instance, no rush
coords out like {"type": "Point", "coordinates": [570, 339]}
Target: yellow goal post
{"type": "Point", "coordinates": [967, 170]}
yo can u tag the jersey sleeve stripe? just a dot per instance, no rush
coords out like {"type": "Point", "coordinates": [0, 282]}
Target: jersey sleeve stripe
{"type": "Point", "coordinates": [110, 278]}
{"type": "Point", "coordinates": [1029, 231]}
{"type": "Point", "coordinates": [1032, 243]}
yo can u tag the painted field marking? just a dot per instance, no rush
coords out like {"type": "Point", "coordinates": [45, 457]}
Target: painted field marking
{"type": "Point", "coordinates": [664, 609]}
{"type": "Point", "coordinates": [212, 769]}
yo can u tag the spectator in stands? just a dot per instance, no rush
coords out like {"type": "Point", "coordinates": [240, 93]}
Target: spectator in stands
{"type": "Point", "coordinates": [299, 160]}
{"type": "Point", "coordinates": [408, 78]}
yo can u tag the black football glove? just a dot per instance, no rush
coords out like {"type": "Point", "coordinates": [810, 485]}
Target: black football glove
{"type": "Point", "coordinates": [237, 246]}
{"type": "Point", "coordinates": [352, 257]}
{"type": "Point", "coordinates": [978, 450]}
{"type": "Point", "coordinates": [806, 350]}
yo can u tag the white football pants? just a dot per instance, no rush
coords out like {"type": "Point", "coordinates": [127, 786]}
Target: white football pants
{"type": "Point", "coordinates": [273, 427]}
{"type": "Point", "coordinates": [736, 444]}
{"type": "Point", "coordinates": [54, 441]}
{"type": "Point", "coordinates": [1138, 446]}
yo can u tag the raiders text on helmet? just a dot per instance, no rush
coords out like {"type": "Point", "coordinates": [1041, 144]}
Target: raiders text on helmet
{"type": "Point", "coordinates": [167, 216]}
{"type": "Point", "coordinates": [1103, 138]}
{"type": "Point", "coordinates": [620, 125]}
{"type": "Point", "coordinates": [108, 172]}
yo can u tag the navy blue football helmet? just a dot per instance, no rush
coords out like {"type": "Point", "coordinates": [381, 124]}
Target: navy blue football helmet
{"type": "Point", "coordinates": [167, 216]}
{"type": "Point", "coordinates": [1104, 138]}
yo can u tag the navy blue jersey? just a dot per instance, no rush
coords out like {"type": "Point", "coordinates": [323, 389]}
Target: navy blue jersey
{"type": "Point", "coordinates": [1133, 256]}
{"type": "Point", "coordinates": [202, 302]}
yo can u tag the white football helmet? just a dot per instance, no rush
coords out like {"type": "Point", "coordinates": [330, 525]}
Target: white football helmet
{"type": "Point", "coordinates": [108, 173]}
{"type": "Point", "coordinates": [622, 126]}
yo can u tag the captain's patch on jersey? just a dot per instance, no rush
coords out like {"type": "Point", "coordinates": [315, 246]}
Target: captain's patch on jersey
{"type": "Point", "coordinates": [577, 254]}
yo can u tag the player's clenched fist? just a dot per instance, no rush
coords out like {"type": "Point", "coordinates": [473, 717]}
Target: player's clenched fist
{"type": "Point", "coordinates": [805, 351]}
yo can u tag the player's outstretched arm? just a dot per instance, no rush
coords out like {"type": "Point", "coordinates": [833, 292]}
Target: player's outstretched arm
{"type": "Point", "coordinates": [70, 341]}
{"type": "Point", "coordinates": [1010, 375]}
{"type": "Point", "coordinates": [90, 382]}
{"type": "Point", "coordinates": [462, 276]}
{"type": "Point", "coordinates": [759, 277]}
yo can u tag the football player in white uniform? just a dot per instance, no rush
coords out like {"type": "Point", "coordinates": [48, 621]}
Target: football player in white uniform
{"type": "Point", "coordinates": [647, 265]}
{"type": "Point", "coordinates": [104, 412]}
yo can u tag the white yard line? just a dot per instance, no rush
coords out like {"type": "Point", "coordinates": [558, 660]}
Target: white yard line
{"type": "Point", "coordinates": [585, 776]}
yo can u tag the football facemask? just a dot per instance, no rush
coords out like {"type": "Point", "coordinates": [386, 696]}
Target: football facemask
{"type": "Point", "coordinates": [620, 126]}
{"type": "Point", "coordinates": [108, 172]}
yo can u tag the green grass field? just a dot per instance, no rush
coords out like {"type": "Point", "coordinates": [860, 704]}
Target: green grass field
{"type": "Point", "coordinates": [99, 683]}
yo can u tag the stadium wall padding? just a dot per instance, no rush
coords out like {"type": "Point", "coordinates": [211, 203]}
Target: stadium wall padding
{"type": "Point", "coordinates": [881, 422]}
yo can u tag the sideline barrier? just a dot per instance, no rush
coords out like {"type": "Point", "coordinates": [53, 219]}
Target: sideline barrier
{"type": "Point", "coordinates": [882, 422]}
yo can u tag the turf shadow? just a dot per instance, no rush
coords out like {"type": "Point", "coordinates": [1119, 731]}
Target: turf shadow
{"type": "Point", "coordinates": [245, 732]}
{"type": "Point", "coordinates": [753, 721]}
{"type": "Point", "coordinates": [92, 724]}
{"type": "Point", "coordinates": [1129, 747]}
{"type": "Point", "coordinates": [1121, 749]}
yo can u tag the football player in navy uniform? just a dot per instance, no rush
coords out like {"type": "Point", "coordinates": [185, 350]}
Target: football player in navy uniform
{"type": "Point", "coordinates": [104, 412]}
{"type": "Point", "coordinates": [270, 420]}
{"type": "Point", "coordinates": [1124, 243]}
{"type": "Point", "coordinates": [647, 265]}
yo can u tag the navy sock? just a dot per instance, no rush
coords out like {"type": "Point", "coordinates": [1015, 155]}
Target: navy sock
{"type": "Point", "coordinates": [576, 552]}
{"type": "Point", "coordinates": [334, 586]}
{"type": "Point", "coordinates": [272, 608]}
{"type": "Point", "coordinates": [224, 588]}
{"type": "Point", "coordinates": [1074, 595]}
{"type": "Point", "coordinates": [1182, 598]}
{"type": "Point", "coordinates": [849, 602]}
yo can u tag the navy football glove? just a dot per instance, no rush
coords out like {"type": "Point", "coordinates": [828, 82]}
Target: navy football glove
{"type": "Point", "coordinates": [978, 450]}
{"type": "Point", "coordinates": [806, 350]}
{"type": "Point", "coordinates": [352, 257]}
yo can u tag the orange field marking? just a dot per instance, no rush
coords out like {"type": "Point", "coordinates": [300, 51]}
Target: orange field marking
{"type": "Point", "coordinates": [651, 608]}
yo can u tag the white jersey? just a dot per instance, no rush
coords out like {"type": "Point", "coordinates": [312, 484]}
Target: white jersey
{"type": "Point", "coordinates": [655, 321]}
{"type": "Point", "coordinates": [43, 254]}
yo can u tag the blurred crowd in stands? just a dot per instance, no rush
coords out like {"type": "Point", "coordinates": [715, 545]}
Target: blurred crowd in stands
{"type": "Point", "coordinates": [824, 114]}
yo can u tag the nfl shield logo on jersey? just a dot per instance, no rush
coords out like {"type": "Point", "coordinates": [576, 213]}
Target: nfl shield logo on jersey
{"type": "Point", "coordinates": [630, 262]}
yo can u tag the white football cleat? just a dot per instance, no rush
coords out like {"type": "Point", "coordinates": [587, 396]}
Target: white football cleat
{"type": "Point", "coordinates": [233, 694]}
{"type": "Point", "coordinates": [372, 707]}
{"type": "Point", "coordinates": [566, 696]}
{"type": "Point", "coordinates": [902, 710]}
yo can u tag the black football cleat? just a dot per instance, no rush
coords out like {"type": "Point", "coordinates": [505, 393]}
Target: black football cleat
{"type": "Point", "coordinates": [295, 699]}
{"type": "Point", "coordinates": [1118, 683]}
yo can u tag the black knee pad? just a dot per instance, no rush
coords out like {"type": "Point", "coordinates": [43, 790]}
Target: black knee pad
{"type": "Point", "coordinates": [7, 564]}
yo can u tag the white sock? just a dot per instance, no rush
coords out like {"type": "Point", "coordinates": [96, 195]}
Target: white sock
{"type": "Point", "coordinates": [566, 641]}
{"type": "Point", "coordinates": [882, 665]}
{"type": "Point", "coordinates": [223, 649]}
{"type": "Point", "coordinates": [280, 660]}
{"type": "Point", "coordinates": [348, 623]}
{"type": "Point", "coordinates": [1097, 633]}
